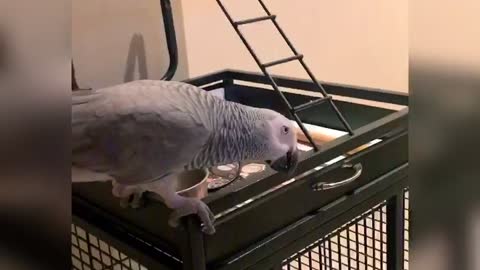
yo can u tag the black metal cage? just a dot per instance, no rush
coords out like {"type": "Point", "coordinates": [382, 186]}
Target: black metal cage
{"type": "Point", "coordinates": [359, 225]}
{"type": "Point", "coordinates": [308, 215]}
{"type": "Point", "coordinates": [360, 244]}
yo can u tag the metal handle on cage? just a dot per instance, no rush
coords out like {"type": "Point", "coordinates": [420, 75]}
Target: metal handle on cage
{"type": "Point", "coordinates": [358, 168]}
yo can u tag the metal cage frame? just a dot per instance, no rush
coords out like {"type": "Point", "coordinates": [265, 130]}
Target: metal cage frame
{"type": "Point", "coordinates": [100, 241]}
{"type": "Point", "coordinates": [362, 243]}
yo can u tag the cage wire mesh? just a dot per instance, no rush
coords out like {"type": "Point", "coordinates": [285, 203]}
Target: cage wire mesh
{"type": "Point", "coordinates": [91, 253]}
{"type": "Point", "coordinates": [406, 226]}
{"type": "Point", "coordinates": [361, 244]}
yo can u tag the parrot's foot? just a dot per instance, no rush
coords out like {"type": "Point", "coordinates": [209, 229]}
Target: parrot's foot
{"type": "Point", "coordinates": [135, 201]}
{"type": "Point", "coordinates": [181, 206]}
{"type": "Point", "coordinates": [130, 196]}
{"type": "Point", "coordinates": [186, 206]}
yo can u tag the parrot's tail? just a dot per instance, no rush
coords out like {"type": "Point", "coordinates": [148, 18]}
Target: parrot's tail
{"type": "Point", "coordinates": [84, 175]}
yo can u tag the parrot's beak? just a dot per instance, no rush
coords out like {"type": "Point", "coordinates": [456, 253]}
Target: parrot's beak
{"type": "Point", "coordinates": [286, 164]}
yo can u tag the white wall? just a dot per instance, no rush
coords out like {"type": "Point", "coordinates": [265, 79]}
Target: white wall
{"type": "Point", "coordinates": [102, 34]}
{"type": "Point", "coordinates": [362, 43]}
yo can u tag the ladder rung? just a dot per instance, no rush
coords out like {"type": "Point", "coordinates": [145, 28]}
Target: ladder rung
{"type": "Point", "coordinates": [258, 19]}
{"type": "Point", "coordinates": [263, 67]}
{"type": "Point", "coordinates": [310, 104]}
{"type": "Point", "coordinates": [281, 61]}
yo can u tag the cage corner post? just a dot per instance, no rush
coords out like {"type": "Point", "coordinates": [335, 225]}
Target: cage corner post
{"type": "Point", "coordinates": [228, 82]}
{"type": "Point", "coordinates": [395, 231]}
{"type": "Point", "coordinates": [193, 249]}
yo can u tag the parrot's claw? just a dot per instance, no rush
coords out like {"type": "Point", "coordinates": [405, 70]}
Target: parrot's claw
{"type": "Point", "coordinates": [130, 196]}
{"type": "Point", "coordinates": [135, 200]}
{"type": "Point", "coordinates": [194, 206]}
{"type": "Point", "coordinates": [124, 202]}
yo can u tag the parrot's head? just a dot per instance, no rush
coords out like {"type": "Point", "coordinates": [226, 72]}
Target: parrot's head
{"type": "Point", "coordinates": [282, 153]}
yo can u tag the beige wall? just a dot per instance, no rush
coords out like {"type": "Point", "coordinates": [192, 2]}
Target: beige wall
{"type": "Point", "coordinates": [119, 40]}
{"type": "Point", "coordinates": [362, 43]}
{"type": "Point", "coordinates": [454, 42]}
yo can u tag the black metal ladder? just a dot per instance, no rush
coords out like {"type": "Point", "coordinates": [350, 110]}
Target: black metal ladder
{"type": "Point", "coordinates": [296, 56]}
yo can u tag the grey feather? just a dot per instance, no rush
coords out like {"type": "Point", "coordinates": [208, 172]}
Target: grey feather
{"type": "Point", "coordinates": [143, 130]}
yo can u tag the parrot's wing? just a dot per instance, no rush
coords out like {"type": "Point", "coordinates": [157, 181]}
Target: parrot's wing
{"type": "Point", "coordinates": [133, 133]}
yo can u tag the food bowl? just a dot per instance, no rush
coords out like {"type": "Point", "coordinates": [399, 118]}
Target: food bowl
{"type": "Point", "coordinates": [223, 175]}
{"type": "Point", "coordinates": [191, 184]}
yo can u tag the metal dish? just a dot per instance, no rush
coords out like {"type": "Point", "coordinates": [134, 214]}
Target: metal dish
{"type": "Point", "coordinates": [191, 184]}
{"type": "Point", "coordinates": [221, 176]}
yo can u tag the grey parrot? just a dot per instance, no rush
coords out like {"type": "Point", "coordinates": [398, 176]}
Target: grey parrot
{"type": "Point", "coordinates": [141, 134]}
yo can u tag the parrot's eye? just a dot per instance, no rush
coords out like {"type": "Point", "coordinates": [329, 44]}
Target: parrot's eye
{"type": "Point", "coordinates": [285, 130]}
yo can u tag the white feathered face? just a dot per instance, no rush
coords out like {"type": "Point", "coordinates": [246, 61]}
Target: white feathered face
{"type": "Point", "coordinates": [283, 152]}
